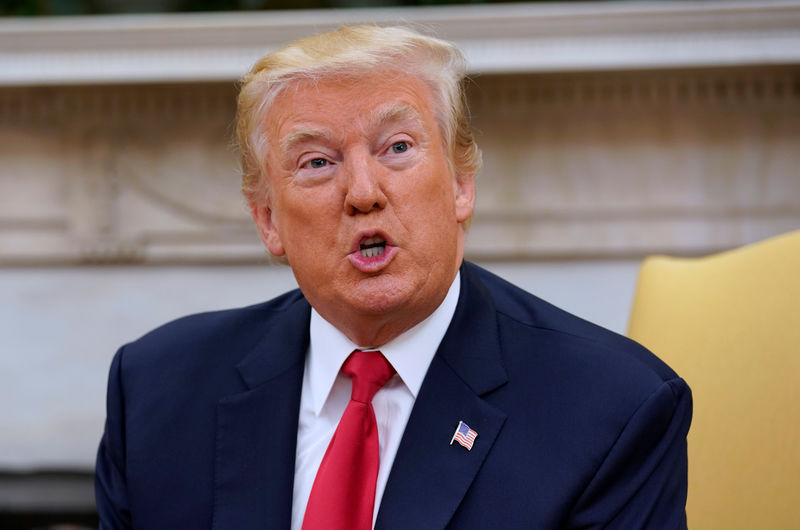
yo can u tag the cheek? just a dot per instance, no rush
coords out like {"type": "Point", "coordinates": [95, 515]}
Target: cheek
{"type": "Point", "coordinates": [431, 210]}
{"type": "Point", "coordinates": [309, 224]}
{"type": "Point", "coordinates": [440, 194]}
{"type": "Point", "coordinates": [307, 208]}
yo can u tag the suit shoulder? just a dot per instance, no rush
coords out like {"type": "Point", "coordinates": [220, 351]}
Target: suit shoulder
{"type": "Point", "coordinates": [573, 333]}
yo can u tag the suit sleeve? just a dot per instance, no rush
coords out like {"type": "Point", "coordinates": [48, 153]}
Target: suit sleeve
{"type": "Point", "coordinates": [642, 482]}
{"type": "Point", "coordinates": [111, 493]}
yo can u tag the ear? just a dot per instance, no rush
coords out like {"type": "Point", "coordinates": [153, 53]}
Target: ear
{"type": "Point", "coordinates": [465, 196]}
{"type": "Point", "coordinates": [262, 215]}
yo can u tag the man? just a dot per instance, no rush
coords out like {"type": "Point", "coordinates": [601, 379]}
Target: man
{"type": "Point", "coordinates": [490, 408]}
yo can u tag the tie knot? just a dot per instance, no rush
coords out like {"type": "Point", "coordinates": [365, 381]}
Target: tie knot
{"type": "Point", "coordinates": [369, 371]}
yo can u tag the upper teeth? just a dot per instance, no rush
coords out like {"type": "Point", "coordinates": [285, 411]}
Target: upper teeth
{"type": "Point", "coordinates": [372, 247]}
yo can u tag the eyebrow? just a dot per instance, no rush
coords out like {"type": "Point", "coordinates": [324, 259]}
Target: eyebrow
{"type": "Point", "coordinates": [304, 135]}
{"type": "Point", "coordinates": [380, 118]}
{"type": "Point", "coordinates": [390, 114]}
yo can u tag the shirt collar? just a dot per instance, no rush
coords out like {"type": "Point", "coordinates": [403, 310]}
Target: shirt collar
{"type": "Point", "coordinates": [410, 353]}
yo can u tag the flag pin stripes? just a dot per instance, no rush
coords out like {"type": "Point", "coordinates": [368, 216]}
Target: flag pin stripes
{"type": "Point", "coordinates": [464, 436]}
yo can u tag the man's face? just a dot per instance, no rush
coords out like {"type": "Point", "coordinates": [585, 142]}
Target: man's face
{"type": "Point", "coordinates": [363, 202]}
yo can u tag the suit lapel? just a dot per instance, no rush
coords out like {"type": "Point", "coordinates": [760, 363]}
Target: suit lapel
{"type": "Point", "coordinates": [430, 477]}
{"type": "Point", "coordinates": [257, 429]}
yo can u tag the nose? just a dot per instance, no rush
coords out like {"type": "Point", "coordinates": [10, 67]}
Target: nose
{"type": "Point", "coordinates": [364, 191]}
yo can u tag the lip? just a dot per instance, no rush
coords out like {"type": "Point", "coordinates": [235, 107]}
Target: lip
{"type": "Point", "coordinates": [375, 263]}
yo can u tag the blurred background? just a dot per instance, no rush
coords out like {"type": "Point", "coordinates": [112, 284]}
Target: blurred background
{"type": "Point", "coordinates": [610, 131]}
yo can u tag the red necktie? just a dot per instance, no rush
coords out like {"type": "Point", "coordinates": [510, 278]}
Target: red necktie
{"type": "Point", "coordinates": [343, 495]}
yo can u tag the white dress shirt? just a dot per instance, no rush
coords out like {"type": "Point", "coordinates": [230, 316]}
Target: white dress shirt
{"type": "Point", "coordinates": [326, 393]}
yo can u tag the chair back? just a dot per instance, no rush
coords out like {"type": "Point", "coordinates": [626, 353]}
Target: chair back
{"type": "Point", "coordinates": [729, 324]}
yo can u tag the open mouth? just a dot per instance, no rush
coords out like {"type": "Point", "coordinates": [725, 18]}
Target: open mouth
{"type": "Point", "coordinates": [372, 247]}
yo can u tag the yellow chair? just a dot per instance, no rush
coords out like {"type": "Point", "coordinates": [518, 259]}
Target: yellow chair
{"type": "Point", "coordinates": [729, 324]}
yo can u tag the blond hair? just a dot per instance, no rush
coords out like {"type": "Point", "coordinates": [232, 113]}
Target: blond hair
{"type": "Point", "coordinates": [354, 51]}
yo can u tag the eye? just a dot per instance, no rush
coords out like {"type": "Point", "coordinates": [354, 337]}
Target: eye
{"type": "Point", "coordinates": [399, 147]}
{"type": "Point", "coordinates": [317, 163]}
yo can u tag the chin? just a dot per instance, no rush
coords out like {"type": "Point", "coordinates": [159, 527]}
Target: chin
{"type": "Point", "coordinates": [381, 303]}
{"type": "Point", "coordinates": [381, 297]}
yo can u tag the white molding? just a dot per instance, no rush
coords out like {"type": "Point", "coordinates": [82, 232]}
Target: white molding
{"type": "Point", "coordinates": [579, 165]}
{"type": "Point", "coordinates": [511, 38]}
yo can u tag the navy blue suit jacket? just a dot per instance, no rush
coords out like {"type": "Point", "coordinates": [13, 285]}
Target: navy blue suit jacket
{"type": "Point", "coordinates": [577, 427]}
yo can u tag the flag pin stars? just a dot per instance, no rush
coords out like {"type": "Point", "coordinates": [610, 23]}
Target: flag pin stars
{"type": "Point", "coordinates": [464, 436]}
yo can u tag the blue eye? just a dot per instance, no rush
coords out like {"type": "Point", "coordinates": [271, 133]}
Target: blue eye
{"type": "Point", "coordinates": [317, 163]}
{"type": "Point", "coordinates": [400, 147]}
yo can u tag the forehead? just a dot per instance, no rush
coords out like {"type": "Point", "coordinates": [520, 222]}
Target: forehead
{"type": "Point", "coordinates": [342, 103]}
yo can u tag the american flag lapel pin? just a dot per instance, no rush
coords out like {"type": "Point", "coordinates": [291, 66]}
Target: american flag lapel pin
{"type": "Point", "coordinates": [464, 436]}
